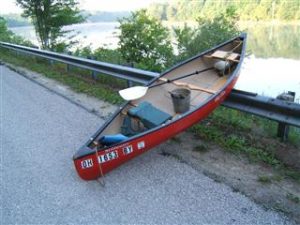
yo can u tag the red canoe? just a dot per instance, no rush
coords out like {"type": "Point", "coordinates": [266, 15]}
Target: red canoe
{"type": "Point", "coordinates": [141, 124]}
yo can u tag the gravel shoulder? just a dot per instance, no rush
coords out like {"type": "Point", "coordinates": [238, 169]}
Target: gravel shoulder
{"type": "Point", "coordinates": [43, 123]}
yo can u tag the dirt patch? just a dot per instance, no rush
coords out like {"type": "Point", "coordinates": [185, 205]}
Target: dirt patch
{"type": "Point", "coordinates": [257, 181]}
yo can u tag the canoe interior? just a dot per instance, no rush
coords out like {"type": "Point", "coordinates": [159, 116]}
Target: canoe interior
{"type": "Point", "coordinates": [160, 96]}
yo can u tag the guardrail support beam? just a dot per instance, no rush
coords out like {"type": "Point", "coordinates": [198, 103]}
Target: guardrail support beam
{"type": "Point", "coordinates": [283, 128]}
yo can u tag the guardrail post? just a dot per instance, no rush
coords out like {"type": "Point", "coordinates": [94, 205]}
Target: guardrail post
{"type": "Point", "coordinates": [68, 65]}
{"type": "Point", "coordinates": [283, 129]}
{"type": "Point", "coordinates": [94, 74]}
{"type": "Point", "coordinates": [129, 82]}
{"type": "Point", "coordinates": [51, 62]}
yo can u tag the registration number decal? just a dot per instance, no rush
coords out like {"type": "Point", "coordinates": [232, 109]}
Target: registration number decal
{"type": "Point", "coordinates": [141, 145]}
{"type": "Point", "coordinates": [86, 163]}
{"type": "Point", "coordinates": [127, 150]}
{"type": "Point", "coordinates": [108, 157]}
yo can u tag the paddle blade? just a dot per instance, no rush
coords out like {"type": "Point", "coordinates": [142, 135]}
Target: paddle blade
{"type": "Point", "coordinates": [133, 93]}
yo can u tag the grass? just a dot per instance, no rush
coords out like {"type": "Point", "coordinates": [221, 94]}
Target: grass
{"type": "Point", "coordinates": [240, 133]}
{"type": "Point", "coordinates": [269, 179]}
{"type": "Point", "coordinates": [78, 80]}
{"type": "Point", "coordinates": [264, 179]}
{"type": "Point", "coordinates": [293, 198]}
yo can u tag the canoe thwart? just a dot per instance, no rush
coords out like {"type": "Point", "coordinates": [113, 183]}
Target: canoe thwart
{"type": "Point", "coordinates": [229, 56]}
{"type": "Point", "coordinates": [190, 86]}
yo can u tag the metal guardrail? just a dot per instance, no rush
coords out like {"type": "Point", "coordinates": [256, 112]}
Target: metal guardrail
{"type": "Point", "coordinates": [285, 113]}
{"type": "Point", "coordinates": [123, 72]}
{"type": "Point", "coordinates": [271, 108]}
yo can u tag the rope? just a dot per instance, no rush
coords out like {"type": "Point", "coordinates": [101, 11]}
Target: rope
{"type": "Point", "coordinates": [99, 165]}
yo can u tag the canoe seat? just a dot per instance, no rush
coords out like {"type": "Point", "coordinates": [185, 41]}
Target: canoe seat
{"type": "Point", "coordinates": [149, 115]}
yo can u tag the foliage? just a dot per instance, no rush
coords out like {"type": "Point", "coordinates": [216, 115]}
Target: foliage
{"type": "Point", "coordinates": [208, 33]}
{"type": "Point", "coordinates": [145, 42]}
{"type": "Point", "coordinates": [101, 54]}
{"type": "Point", "coordinates": [5, 34]}
{"type": "Point", "coordinates": [49, 17]}
{"type": "Point", "coordinates": [270, 41]}
{"type": "Point", "coordinates": [102, 16]}
{"type": "Point", "coordinates": [105, 55]}
{"type": "Point", "coordinates": [184, 10]}
{"type": "Point", "coordinates": [8, 36]}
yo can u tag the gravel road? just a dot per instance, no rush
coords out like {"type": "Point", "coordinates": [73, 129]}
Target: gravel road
{"type": "Point", "coordinates": [41, 130]}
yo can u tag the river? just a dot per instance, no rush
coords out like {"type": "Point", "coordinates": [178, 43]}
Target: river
{"type": "Point", "coordinates": [273, 50]}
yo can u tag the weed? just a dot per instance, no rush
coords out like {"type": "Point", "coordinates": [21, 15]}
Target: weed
{"type": "Point", "coordinates": [280, 208]}
{"type": "Point", "coordinates": [176, 139]}
{"type": "Point", "coordinates": [290, 173]}
{"type": "Point", "coordinates": [293, 198]}
{"type": "Point", "coordinates": [264, 179]}
{"type": "Point", "coordinates": [268, 179]}
{"type": "Point", "coordinates": [201, 148]}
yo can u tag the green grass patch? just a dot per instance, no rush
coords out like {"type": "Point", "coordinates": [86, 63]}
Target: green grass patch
{"type": "Point", "coordinates": [264, 179]}
{"type": "Point", "coordinates": [77, 79]}
{"type": "Point", "coordinates": [241, 133]}
{"type": "Point", "coordinates": [293, 198]}
{"type": "Point", "coordinates": [269, 179]}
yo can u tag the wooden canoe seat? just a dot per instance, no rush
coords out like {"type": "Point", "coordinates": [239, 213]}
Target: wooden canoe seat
{"type": "Point", "coordinates": [230, 56]}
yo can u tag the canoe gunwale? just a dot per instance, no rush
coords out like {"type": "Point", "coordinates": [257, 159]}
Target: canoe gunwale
{"type": "Point", "coordinates": [235, 74]}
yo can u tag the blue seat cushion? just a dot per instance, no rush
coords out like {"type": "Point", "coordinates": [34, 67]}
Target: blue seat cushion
{"type": "Point", "coordinates": [149, 115]}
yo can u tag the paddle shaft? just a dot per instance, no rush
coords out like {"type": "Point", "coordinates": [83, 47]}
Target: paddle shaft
{"type": "Point", "coordinates": [178, 78]}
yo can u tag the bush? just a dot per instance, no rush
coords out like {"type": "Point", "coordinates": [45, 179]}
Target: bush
{"type": "Point", "coordinates": [8, 36]}
{"type": "Point", "coordinates": [145, 42]}
{"type": "Point", "coordinates": [208, 33]}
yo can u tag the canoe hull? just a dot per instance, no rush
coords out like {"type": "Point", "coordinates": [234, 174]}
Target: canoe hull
{"type": "Point", "coordinates": [88, 166]}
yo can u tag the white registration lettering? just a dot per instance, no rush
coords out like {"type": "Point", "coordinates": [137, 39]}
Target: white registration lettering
{"type": "Point", "coordinates": [86, 163]}
{"type": "Point", "coordinates": [127, 150]}
{"type": "Point", "coordinates": [108, 156]}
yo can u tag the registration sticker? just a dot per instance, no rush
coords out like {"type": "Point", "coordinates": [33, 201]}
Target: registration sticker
{"type": "Point", "coordinates": [127, 150]}
{"type": "Point", "coordinates": [141, 145]}
{"type": "Point", "coordinates": [86, 163]}
{"type": "Point", "coordinates": [108, 156]}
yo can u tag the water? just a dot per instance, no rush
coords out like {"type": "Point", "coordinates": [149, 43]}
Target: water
{"type": "Point", "coordinates": [274, 64]}
{"type": "Point", "coordinates": [272, 67]}
{"type": "Point", "coordinates": [92, 34]}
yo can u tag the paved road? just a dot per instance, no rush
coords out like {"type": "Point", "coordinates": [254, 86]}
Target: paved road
{"type": "Point", "coordinates": [40, 131]}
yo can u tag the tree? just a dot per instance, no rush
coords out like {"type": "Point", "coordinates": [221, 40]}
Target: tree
{"type": "Point", "coordinates": [208, 33]}
{"type": "Point", "coordinates": [5, 34]}
{"type": "Point", "coordinates": [8, 36]}
{"type": "Point", "coordinates": [49, 17]}
{"type": "Point", "coordinates": [145, 42]}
